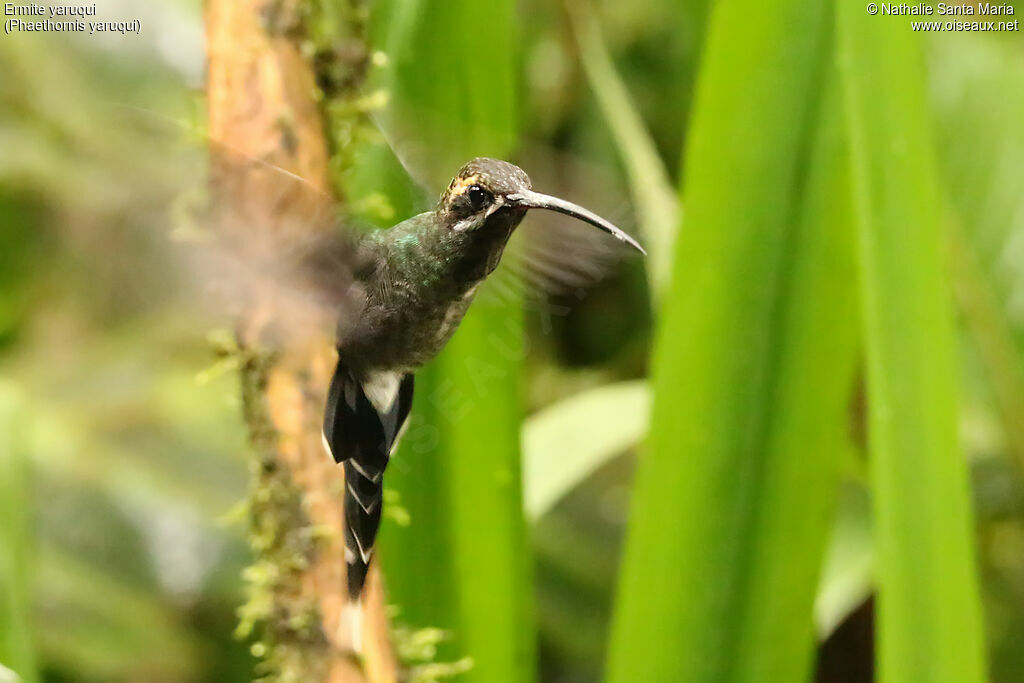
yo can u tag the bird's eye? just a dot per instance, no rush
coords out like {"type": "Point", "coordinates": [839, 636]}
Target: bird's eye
{"type": "Point", "coordinates": [478, 197]}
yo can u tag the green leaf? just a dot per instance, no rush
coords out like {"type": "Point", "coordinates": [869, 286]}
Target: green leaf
{"type": "Point", "coordinates": [568, 441]}
{"type": "Point", "coordinates": [753, 370]}
{"type": "Point", "coordinates": [929, 621]}
{"type": "Point", "coordinates": [452, 86]}
{"type": "Point", "coordinates": [16, 548]}
{"type": "Point", "coordinates": [653, 195]}
{"type": "Point", "coordinates": [463, 562]}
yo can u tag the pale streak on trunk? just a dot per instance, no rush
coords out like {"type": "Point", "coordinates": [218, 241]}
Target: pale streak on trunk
{"type": "Point", "coordinates": [261, 104]}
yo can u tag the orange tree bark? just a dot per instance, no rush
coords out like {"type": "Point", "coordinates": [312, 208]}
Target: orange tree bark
{"type": "Point", "coordinates": [261, 99]}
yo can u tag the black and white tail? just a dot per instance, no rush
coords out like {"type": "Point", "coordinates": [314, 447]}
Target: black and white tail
{"type": "Point", "coordinates": [362, 423]}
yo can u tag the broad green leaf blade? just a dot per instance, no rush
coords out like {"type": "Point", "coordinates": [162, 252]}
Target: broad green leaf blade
{"type": "Point", "coordinates": [452, 86]}
{"type": "Point", "coordinates": [568, 441]}
{"type": "Point", "coordinates": [655, 199]}
{"type": "Point", "coordinates": [16, 548]}
{"type": "Point", "coordinates": [480, 433]}
{"type": "Point", "coordinates": [565, 443]}
{"type": "Point", "coordinates": [463, 562]}
{"type": "Point", "coordinates": [753, 370]}
{"type": "Point", "coordinates": [929, 614]}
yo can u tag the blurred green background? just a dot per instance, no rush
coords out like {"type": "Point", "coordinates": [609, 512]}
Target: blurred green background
{"type": "Point", "coordinates": [836, 308]}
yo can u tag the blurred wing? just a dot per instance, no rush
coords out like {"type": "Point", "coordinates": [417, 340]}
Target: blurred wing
{"type": "Point", "coordinates": [410, 154]}
{"type": "Point", "coordinates": [554, 255]}
{"type": "Point", "coordinates": [257, 242]}
{"type": "Point", "coordinates": [551, 255]}
{"type": "Point", "coordinates": [271, 248]}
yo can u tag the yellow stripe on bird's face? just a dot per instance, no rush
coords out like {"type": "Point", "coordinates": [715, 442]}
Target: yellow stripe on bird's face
{"type": "Point", "coordinates": [460, 185]}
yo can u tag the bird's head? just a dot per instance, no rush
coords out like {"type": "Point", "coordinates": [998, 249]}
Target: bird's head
{"type": "Point", "coordinates": [494, 195]}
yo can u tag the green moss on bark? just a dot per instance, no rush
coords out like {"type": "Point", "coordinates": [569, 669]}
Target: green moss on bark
{"type": "Point", "coordinates": [289, 639]}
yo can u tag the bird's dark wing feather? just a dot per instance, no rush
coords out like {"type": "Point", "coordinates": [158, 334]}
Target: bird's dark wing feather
{"type": "Point", "coordinates": [362, 436]}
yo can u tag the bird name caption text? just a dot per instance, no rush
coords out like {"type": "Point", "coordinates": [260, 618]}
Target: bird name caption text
{"type": "Point", "coordinates": [36, 18]}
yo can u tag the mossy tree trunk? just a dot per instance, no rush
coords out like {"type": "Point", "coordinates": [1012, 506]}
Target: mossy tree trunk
{"type": "Point", "coordinates": [263, 105]}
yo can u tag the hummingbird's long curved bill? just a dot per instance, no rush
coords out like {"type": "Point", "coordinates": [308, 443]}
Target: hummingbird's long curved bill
{"type": "Point", "coordinates": [536, 200]}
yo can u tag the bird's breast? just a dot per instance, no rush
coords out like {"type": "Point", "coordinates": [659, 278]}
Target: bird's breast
{"type": "Point", "coordinates": [417, 294]}
{"type": "Point", "coordinates": [402, 327]}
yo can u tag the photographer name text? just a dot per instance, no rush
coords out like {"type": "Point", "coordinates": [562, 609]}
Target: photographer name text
{"type": "Point", "coordinates": [983, 9]}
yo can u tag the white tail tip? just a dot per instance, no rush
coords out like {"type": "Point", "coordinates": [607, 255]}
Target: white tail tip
{"type": "Point", "coordinates": [350, 626]}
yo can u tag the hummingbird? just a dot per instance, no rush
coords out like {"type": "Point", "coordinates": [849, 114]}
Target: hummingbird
{"type": "Point", "coordinates": [416, 281]}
